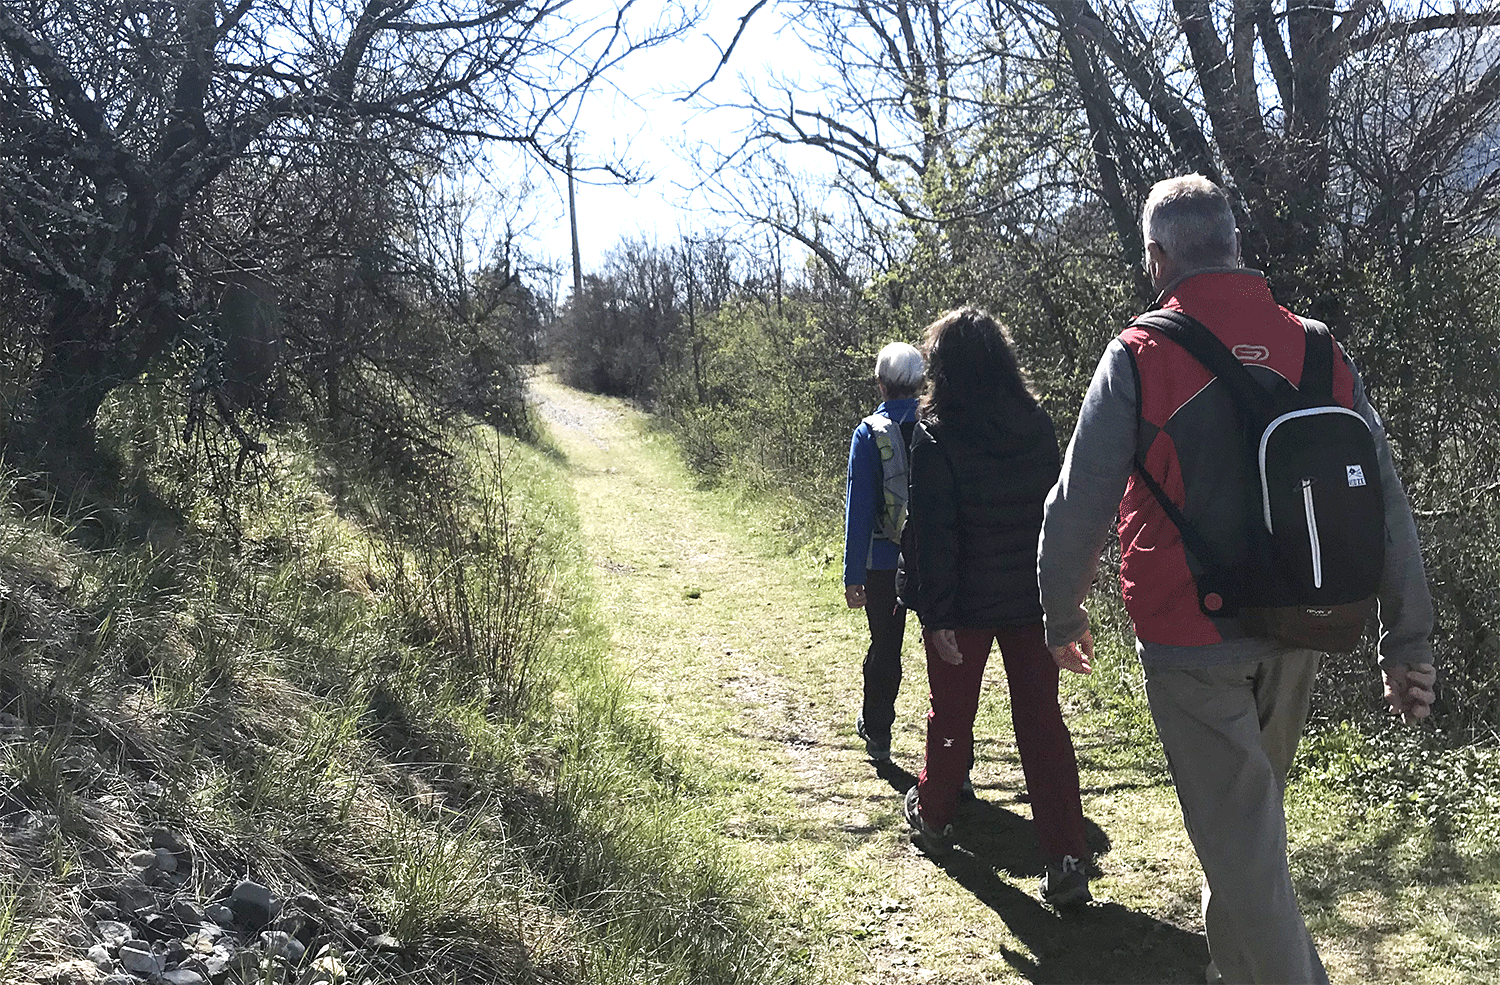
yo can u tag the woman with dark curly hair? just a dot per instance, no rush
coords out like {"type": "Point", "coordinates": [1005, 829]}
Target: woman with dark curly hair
{"type": "Point", "coordinates": [983, 459]}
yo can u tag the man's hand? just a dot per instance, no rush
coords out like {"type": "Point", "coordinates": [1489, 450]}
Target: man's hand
{"type": "Point", "coordinates": [854, 596]}
{"type": "Point", "coordinates": [1076, 656]}
{"type": "Point", "coordinates": [1409, 690]}
{"type": "Point", "coordinates": [946, 644]}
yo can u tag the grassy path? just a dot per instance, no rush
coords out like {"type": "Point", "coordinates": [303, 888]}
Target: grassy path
{"type": "Point", "coordinates": [750, 662]}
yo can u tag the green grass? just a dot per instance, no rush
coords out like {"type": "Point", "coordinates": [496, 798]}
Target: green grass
{"type": "Point", "coordinates": [592, 717]}
{"type": "Point", "coordinates": [396, 698]}
{"type": "Point", "coordinates": [1392, 832]}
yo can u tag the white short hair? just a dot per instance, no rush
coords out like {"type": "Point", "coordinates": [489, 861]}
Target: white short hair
{"type": "Point", "coordinates": [899, 366]}
{"type": "Point", "coordinates": [1191, 219]}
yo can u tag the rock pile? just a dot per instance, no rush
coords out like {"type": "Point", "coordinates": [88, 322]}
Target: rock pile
{"type": "Point", "coordinates": [147, 928]}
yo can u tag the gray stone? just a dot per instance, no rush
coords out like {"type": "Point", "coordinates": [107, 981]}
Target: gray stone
{"type": "Point", "coordinates": [113, 933]}
{"type": "Point", "coordinates": [299, 925]}
{"type": "Point", "coordinates": [69, 973]}
{"type": "Point", "coordinates": [253, 904]}
{"type": "Point", "coordinates": [143, 860]}
{"type": "Point", "coordinates": [280, 944]}
{"type": "Point", "coordinates": [187, 913]}
{"type": "Point", "coordinates": [182, 976]}
{"type": "Point", "coordinates": [103, 910]}
{"type": "Point", "coordinates": [219, 914]}
{"type": "Point", "coordinates": [165, 861]}
{"type": "Point", "coordinates": [99, 954]}
{"type": "Point", "coordinates": [118, 978]}
{"type": "Point", "coordinates": [137, 957]}
{"type": "Point", "coordinates": [156, 927]}
{"type": "Point", "coordinates": [68, 930]}
{"type": "Point", "coordinates": [170, 840]}
{"type": "Point", "coordinates": [211, 962]}
{"type": "Point", "coordinates": [308, 903]}
{"type": "Point", "coordinates": [133, 896]}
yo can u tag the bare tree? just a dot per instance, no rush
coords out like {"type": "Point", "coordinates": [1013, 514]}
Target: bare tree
{"type": "Point", "coordinates": [945, 144]}
{"type": "Point", "coordinates": [118, 118]}
{"type": "Point", "coordinates": [1249, 92]}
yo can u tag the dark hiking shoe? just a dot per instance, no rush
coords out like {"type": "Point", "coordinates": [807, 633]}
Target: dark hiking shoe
{"type": "Point", "coordinates": [1066, 884]}
{"type": "Point", "coordinates": [932, 842]}
{"type": "Point", "coordinates": [876, 750]}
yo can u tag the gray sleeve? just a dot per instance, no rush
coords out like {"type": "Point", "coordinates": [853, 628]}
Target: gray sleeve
{"type": "Point", "coordinates": [1405, 603]}
{"type": "Point", "coordinates": [1084, 502]}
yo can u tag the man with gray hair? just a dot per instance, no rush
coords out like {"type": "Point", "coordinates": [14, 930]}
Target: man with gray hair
{"type": "Point", "coordinates": [874, 511]}
{"type": "Point", "coordinates": [1158, 443]}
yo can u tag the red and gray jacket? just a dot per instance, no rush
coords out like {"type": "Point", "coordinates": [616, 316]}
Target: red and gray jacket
{"type": "Point", "coordinates": [1150, 394]}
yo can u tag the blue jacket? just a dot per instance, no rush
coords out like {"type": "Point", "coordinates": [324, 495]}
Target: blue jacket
{"type": "Point", "coordinates": [866, 482]}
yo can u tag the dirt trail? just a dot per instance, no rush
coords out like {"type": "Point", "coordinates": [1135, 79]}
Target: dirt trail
{"type": "Point", "coordinates": [751, 661]}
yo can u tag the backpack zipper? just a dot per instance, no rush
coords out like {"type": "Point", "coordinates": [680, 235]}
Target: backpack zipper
{"type": "Point", "coordinates": [1312, 533]}
{"type": "Point", "coordinates": [1265, 440]}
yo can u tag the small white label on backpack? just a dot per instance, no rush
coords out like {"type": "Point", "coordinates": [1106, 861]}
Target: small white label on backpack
{"type": "Point", "coordinates": [1356, 475]}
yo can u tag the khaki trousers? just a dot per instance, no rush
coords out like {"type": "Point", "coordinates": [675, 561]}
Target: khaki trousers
{"type": "Point", "coordinates": [1230, 734]}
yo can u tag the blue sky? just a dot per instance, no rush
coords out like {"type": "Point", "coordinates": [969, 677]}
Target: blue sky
{"type": "Point", "coordinates": [635, 114]}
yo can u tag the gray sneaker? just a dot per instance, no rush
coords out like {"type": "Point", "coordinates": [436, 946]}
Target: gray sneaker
{"type": "Point", "coordinates": [876, 751]}
{"type": "Point", "coordinates": [1066, 884]}
{"type": "Point", "coordinates": [932, 842]}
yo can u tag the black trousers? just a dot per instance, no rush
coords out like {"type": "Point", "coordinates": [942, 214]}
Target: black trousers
{"type": "Point", "coordinates": [882, 668]}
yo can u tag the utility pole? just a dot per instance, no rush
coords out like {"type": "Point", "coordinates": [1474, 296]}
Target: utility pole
{"type": "Point", "coordinates": [573, 222]}
{"type": "Point", "coordinates": [692, 280]}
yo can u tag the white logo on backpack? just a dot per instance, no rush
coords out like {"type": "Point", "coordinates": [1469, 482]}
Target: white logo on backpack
{"type": "Point", "coordinates": [1356, 475]}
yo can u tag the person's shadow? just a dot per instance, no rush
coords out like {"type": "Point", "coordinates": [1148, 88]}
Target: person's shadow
{"type": "Point", "coordinates": [1100, 942]}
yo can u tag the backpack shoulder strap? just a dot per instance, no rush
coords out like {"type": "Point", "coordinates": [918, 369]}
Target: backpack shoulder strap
{"type": "Point", "coordinates": [1253, 400]}
{"type": "Point", "coordinates": [1217, 584]}
{"type": "Point", "coordinates": [1316, 384]}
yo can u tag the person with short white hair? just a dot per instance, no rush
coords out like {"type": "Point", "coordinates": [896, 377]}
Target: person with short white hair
{"type": "Point", "coordinates": [874, 511]}
{"type": "Point", "coordinates": [1160, 449]}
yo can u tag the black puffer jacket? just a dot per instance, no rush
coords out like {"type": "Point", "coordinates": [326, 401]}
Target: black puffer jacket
{"type": "Point", "coordinates": [973, 516]}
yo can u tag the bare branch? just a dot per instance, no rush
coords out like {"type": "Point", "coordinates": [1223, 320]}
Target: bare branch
{"type": "Point", "coordinates": [1437, 22]}
{"type": "Point", "coordinates": [726, 52]}
{"type": "Point", "coordinates": [1274, 45]}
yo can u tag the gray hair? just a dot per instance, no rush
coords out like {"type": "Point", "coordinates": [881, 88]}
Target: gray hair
{"type": "Point", "coordinates": [1191, 219]}
{"type": "Point", "coordinates": [899, 367]}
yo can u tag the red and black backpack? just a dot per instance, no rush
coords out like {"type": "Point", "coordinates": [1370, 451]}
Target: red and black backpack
{"type": "Point", "coordinates": [1305, 567]}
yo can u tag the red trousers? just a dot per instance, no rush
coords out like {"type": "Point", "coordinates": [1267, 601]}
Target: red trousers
{"type": "Point", "coordinates": [1042, 738]}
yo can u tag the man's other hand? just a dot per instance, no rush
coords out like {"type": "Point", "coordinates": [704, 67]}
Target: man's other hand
{"type": "Point", "coordinates": [1409, 689]}
{"type": "Point", "coordinates": [854, 596]}
{"type": "Point", "coordinates": [1077, 656]}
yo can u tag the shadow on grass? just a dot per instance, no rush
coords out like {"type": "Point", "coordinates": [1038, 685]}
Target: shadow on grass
{"type": "Point", "coordinates": [899, 779]}
{"type": "Point", "coordinates": [1006, 841]}
{"type": "Point", "coordinates": [1101, 942]}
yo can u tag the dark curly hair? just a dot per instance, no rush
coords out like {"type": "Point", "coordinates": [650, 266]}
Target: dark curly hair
{"type": "Point", "coordinates": [972, 369]}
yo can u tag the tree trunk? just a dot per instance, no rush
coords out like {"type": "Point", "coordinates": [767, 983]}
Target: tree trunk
{"type": "Point", "coordinates": [78, 371]}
